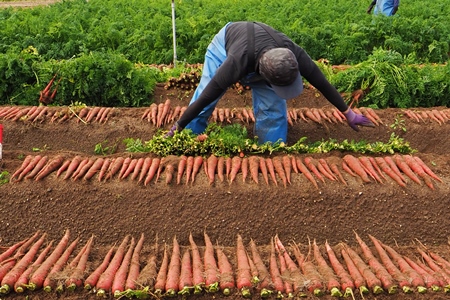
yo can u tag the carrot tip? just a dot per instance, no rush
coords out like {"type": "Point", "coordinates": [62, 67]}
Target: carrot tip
{"type": "Point", "coordinates": [265, 293]}
{"type": "Point", "coordinates": [377, 290]}
{"type": "Point", "coordinates": [213, 287]}
{"type": "Point", "coordinates": [4, 289]}
{"type": "Point", "coordinates": [393, 290]}
{"type": "Point", "coordinates": [101, 293]}
{"type": "Point", "coordinates": [246, 292]}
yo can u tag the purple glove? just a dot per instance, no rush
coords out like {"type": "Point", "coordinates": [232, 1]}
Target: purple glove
{"type": "Point", "coordinates": [172, 130]}
{"type": "Point", "coordinates": [354, 119]}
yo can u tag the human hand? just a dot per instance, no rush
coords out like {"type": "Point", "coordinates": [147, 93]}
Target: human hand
{"type": "Point", "coordinates": [172, 130]}
{"type": "Point", "coordinates": [354, 119]}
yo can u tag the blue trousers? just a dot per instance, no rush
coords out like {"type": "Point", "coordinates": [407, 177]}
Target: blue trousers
{"type": "Point", "coordinates": [269, 109]}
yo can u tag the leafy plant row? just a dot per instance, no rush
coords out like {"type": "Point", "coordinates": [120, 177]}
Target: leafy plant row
{"type": "Point", "coordinates": [240, 270]}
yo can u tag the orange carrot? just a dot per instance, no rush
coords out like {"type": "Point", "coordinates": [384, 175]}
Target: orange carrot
{"type": "Point", "coordinates": [212, 164]}
{"type": "Point", "coordinates": [386, 279]}
{"type": "Point", "coordinates": [181, 168]}
{"type": "Point", "coordinates": [161, 278]}
{"type": "Point", "coordinates": [49, 283]}
{"type": "Point", "coordinates": [403, 165]}
{"type": "Point", "coordinates": [198, 161]}
{"type": "Point", "coordinates": [278, 167]}
{"type": "Point", "coordinates": [311, 164]}
{"type": "Point", "coordinates": [92, 279]}
{"type": "Point", "coordinates": [347, 284]}
{"type": "Point", "coordinates": [235, 167]}
{"type": "Point", "coordinates": [243, 273]}
{"type": "Point", "coordinates": [334, 168]}
{"type": "Point", "coordinates": [99, 114]}
{"type": "Point", "coordinates": [94, 169]}
{"type": "Point", "coordinates": [228, 163]}
{"type": "Point", "coordinates": [244, 168]}
{"type": "Point", "coordinates": [37, 279]}
{"type": "Point", "coordinates": [253, 162]}
{"type": "Point", "coordinates": [105, 281]}
{"type": "Point", "coordinates": [310, 114]}
{"type": "Point", "coordinates": [92, 114]}
{"type": "Point", "coordinates": [152, 170]}
{"type": "Point", "coordinates": [75, 280]}
{"type": "Point", "coordinates": [21, 282]}
{"type": "Point", "coordinates": [327, 272]}
{"type": "Point", "coordinates": [120, 276]}
{"type": "Point", "coordinates": [418, 169]}
{"type": "Point", "coordinates": [173, 272]}
{"type": "Point", "coordinates": [347, 169]}
{"type": "Point", "coordinates": [369, 168]}
{"type": "Point", "coordinates": [304, 170]}
{"type": "Point", "coordinates": [84, 169]}
{"type": "Point", "coordinates": [137, 168]}
{"type": "Point", "coordinates": [314, 284]}
{"type": "Point", "coordinates": [63, 167]}
{"type": "Point", "coordinates": [129, 168]}
{"type": "Point", "coordinates": [29, 167]}
{"type": "Point", "coordinates": [377, 167]}
{"type": "Point", "coordinates": [189, 168]}
{"type": "Point", "coordinates": [327, 168]}
{"type": "Point", "coordinates": [11, 277]}
{"type": "Point", "coordinates": [197, 267]}
{"type": "Point", "coordinates": [27, 160]}
{"type": "Point", "coordinates": [355, 165]}
{"type": "Point", "coordinates": [72, 167]}
{"type": "Point", "coordinates": [133, 271]}
{"type": "Point", "coordinates": [115, 166]}
{"type": "Point", "coordinates": [271, 169]}
{"type": "Point", "coordinates": [435, 267]}
{"type": "Point", "coordinates": [169, 172]}
{"type": "Point", "coordinates": [427, 169]}
{"type": "Point", "coordinates": [186, 281]}
{"type": "Point", "coordinates": [145, 167]}
{"type": "Point", "coordinates": [226, 282]}
{"type": "Point", "coordinates": [435, 274]}
{"type": "Point", "coordinates": [430, 281]}
{"type": "Point", "coordinates": [294, 165]}
{"type": "Point", "coordinates": [6, 255]}
{"type": "Point", "coordinates": [370, 278]}
{"type": "Point", "coordinates": [386, 169]}
{"type": "Point", "coordinates": [153, 115]}
{"type": "Point", "coordinates": [264, 171]}
{"type": "Point", "coordinates": [51, 166]}
{"type": "Point", "coordinates": [147, 275]}
{"type": "Point", "coordinates": [274, 270]}
{"type": "Point", "coordinates": [210, 267]}
{"type": "Point", "coordinates": [220, 168]}
{"type": "Point", "coordinates": [80, 166]}
{"type": "Point", "coordinates": [265, 284]}
{"type": "Point", "coordinates": [288, 281]}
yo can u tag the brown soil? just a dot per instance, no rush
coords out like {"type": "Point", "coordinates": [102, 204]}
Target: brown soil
{"type": "Point", "coordinates": [113, 209]}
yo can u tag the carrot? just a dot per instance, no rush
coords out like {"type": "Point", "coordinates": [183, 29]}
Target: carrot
{"type": "Point", "coordinates": [355, 165]}
{"type": "Point", "coordinates": [347, 284]}
{"type": "Point", "coordinates": [95, 167]}
{"type": "Point", "coordinates": [402, 165]}
{"type": "Point", "coordinates": [6, 255]}
{"type": "Point", "coordinates": [11, 277]}
{"type": "Point", "coordinates": [327, 168]}
{"type": "Point", "coordinates": [21, 282]}
{"type": "Point", "coordinates": [377, 167]}
{"type": "Point", "coordinates": [175, 113]}
{"type": "Point", "coordinates": [148, 274]}
{"type": "Point", "coordinates": [106, 279]}
{"type": "Point", "coordinates": [83, 162]}
{"type": "Point", "coordinates": [386, 169]}
{"type": "Point", "coordinates": [310, 115]}
{"type": "Point", "coordinates": [271, 170]}
{"type": "Point", "coordinates": [198, 161]}
{"type": "Point", "coordinates": [173, 272]}
{"type": "Point", "coordinates": [347, 169]}
{"type": "Point", "coordinates": [169, 172]}
{"type": "Point", "coordinates": [369, 168]}
{"type": "Point", "coordinates": [6, 267]}
{"type": "Point", "coordinates": [221, 168]}
{"type": "Point", "coordinates": [137, 168]}
{"type": "Point", "coordinates": [228, 163]}
{"type": "Point", "coordinates": [311, 164]}
{"type": "Point", "coordinates": [392, 269]}
{"type": "Point", "coordinates": [75, 278]}
{"type": "Point", "coordinates": [189, 168]}
{"type": "Point", "coordinates": [236, 163]}
{"type": "Point", "coordinates": [27, 160]}
{"type": "Point", "coordinates": [226, 282]}
{"type": "Point", "coordinates": [49, 283]}
{"type": "Point", "coordinates": [133, 271]}
{"type": "Point", "coordinates": [253, 162]}
{"type": "Point", "coordinates": [314, 284]}
{"type": "Point", "coordinates": [274, 270]}
{"type": "Point", "coordinates": [243, 273]}
{"type": "Point", "coordinates": [186, 280]}
{"type": "Point", "coordinates": [334, 168]}
{"type": "Point", "coordinates": [85, 168]}
{"type": "Point", "coordinates": [279, 169]}
{"type": "Point", "coordinates": [210, 267]}
{"type": "Point", "coordinates": [440, 261]}
{"type": "Point", "coordinates": [72, 167]}
{"type": "Point", "coordinates": [212, 165]}
{"type": "Point", "coordinates": [114, 168]}
{"type": "Point", "coordinates": [92, 114]}
{"type": "Point", "coordinates": [153, 115]}
{"type": "Point", "coordinates": [198, 279]}
{"type": "Point", "coordinates": [304, 170]}
{"type": "Point", "coordinates": [355, 262]}
{"type": "Point", "coordinates": [430, 281]}
{"type": "Point", "coordinates": [152, 170]}
{"type": "Point", "coordinates": [161, 277]}
{"type": "Point", "coordinates": [51, 166]}
{"type": "Point", "coordinates": [435, 267]}
{"type": "Point", "coordinates": [386, 279]}
{"type": "Point", "coordinates": [165, 111]}
{"type": "Point", "coordinates": [327, 272]}
{"type": "Point", "coordinates": [264, 171]}
{"type": "Point", "coordinates": [288, 281]}
{"type": "Point", "coordinates": [244, 168]}
{"type": "Point", "coordinates": [145, 167]}
{"type": "Point", "coordinates": [412, 275]}
{"type": "Point", "coordinates": [374, 115]}
{"type": "Point", "coordinates": [63, 167]}
{"type": "Point", "coordinates": [181, 168]}
{"type": "Point", "coordinates": [427, 169]}
{"type": "Point", "coordinates": [265, 284]}
{"type": "Point", "coordinates": [103, 116]}
{"type": "Point", "coordinates": [32, 164]}
{"type": "Point", "coordinates": [129, 168]}
{"type": "Point", "coordinates": [418, 169]}
{"type": "Point", "coordinates": [120, 277]}
{"type": "Point", "coordinates": [38, 277]}
{"type": "Point", "coordinates": [436, 274]}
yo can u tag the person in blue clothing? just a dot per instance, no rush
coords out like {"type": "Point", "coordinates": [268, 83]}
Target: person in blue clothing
{"type": "Point", "coordinates": [386, 7]}
{"type": "Point", "coordinates": [272, 65]}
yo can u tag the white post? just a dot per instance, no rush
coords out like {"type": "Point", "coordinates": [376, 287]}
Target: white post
{"type": "Point", "coordinates": [174, 36]}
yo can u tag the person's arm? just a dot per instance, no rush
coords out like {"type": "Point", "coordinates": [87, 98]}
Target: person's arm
{"type": "Point", "coordinates": [396, 5]}
{"type": "Point", "coordinates": [371, 6]}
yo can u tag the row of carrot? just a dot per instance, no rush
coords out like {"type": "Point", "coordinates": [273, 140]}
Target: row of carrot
{"type": "Point", "coordinates": [399, 168]}
{"type": "Point", "coordinates": [277, 270]}
{"type": "Point", "coordinates": [41, 114]}
{"type": "Point", "coordinates": [433, 115]}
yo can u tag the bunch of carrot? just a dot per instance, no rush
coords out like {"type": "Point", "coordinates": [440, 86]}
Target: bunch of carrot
{"type": "Point", "coordinates": [433, 115]}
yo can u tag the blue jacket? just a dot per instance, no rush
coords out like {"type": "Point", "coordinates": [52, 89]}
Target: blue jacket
{"type": "Point", "coordinates": [386, 7]}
